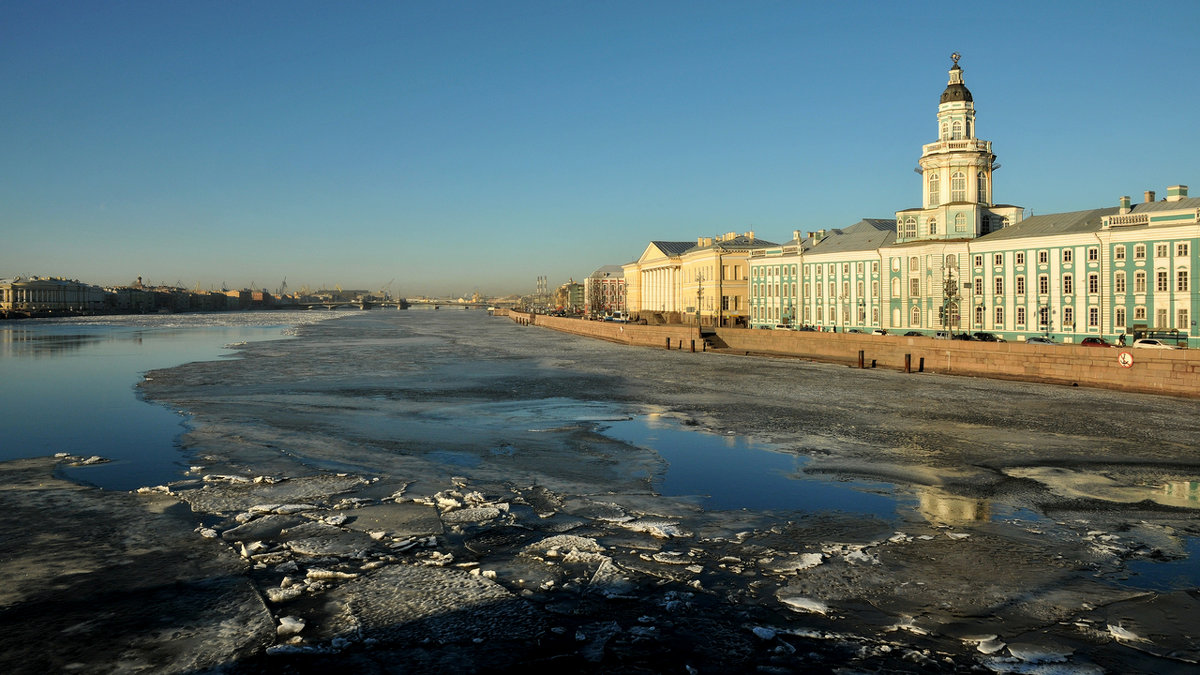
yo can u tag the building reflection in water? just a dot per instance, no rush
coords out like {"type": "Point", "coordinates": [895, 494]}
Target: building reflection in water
{"type": "Point", "coordinates": [942, 508]}
{"type": "Point", "coordinates": [1185, 493]}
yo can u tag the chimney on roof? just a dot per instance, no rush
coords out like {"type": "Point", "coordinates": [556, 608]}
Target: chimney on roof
{"type": "Point", "coordinates": [1149, 196]}
{"type": "Point", "coordinates": [1124, 204]}
{"type": "Point", "coordinates": [749, 235]}
{"type": "Point", "coordinates": [1177, 193]}
{"type": "Point", "coordinates": [796, 235]}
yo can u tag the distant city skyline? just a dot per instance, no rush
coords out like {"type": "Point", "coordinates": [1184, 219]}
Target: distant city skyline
{"type": "Point", "coordinates": [474, 146]}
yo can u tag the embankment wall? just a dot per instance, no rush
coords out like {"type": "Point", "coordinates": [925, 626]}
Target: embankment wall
{"type": "Point", "coordinates": [1170, 372]}
{"type": "Point", "coordinates": [680, 336]}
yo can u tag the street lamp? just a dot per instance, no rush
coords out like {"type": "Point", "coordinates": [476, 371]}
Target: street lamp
{"type": "Point", "coordinates": [699, 295]}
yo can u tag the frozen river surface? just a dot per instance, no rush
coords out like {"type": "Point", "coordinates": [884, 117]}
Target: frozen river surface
{"type": "Point", "coordinates": [457, 493]}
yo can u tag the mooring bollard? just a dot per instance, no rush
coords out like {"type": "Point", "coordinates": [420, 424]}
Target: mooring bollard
{"type": "Point", "coordinates": [861, 355]}
{"type": "Point", "coordinates": [908, 363]}
{"type": "Point", "coordinates": [693, 346]}
{"type": "Point", "coordinates": [921, 368]}
{"type": "Point", "coordinates": [668, 343]}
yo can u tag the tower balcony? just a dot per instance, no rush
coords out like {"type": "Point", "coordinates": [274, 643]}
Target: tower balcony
{"type": "Point", "coordinates": [961, 145]}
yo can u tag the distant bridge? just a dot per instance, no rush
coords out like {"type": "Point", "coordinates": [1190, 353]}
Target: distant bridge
{"type": "Point", "coordinates": [350, 304]}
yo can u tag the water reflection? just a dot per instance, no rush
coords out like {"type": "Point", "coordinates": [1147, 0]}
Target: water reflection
{"type": "Point", "coordinates": [941, 508]}
{"type": "Point", "coordinates": [737, 472]}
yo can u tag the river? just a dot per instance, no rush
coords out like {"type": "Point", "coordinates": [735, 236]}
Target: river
{"type": "Point", "coordinates": [927, 519]}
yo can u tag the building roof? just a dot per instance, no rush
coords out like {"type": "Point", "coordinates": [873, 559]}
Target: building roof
{"type": "Point", "coordinates": [867, 234]}
{"type": "Point", "coordinates": [738, 243]}
{"type": "Point", "coordinates": [608, 271]}
{"type": "Point", "coordinates": [1052, 224]}
{"type": "Point", "coordinates": [673, 247]}
{"type": "Point", "coordinates": [1164, 205]}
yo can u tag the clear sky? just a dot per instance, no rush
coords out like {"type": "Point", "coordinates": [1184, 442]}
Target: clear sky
{"type": "Point", "coordinates": [446, 147]}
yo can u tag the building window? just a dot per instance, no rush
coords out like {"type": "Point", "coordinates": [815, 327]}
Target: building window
{"type": "Point", "coordinates": [875, 315]}
{"type": "Point", "coordinates": [1181, 280]}
{"type": "Point", "coordinates": [998, 259]}
{"type": "Point", "coordinates": [981, 187]}
{"type": "Point", "coordinates": [914, 287]}
{"type": "Point", "coordinates": [1139, 252]}
{"type": "Point", "coordinates": [1020, 316]}
{"type": "Point", "coordinates": [1139, 282]}
{"type": "Point", "coordinates": [1093, 316]}
{"type": "Point", "coordinates": [1119, 282]}
{"type": "Point", "coordinates": [859, 268]}
{"type": "Point", "coordinates": [1181, 319]}
{"type": "Point", "coordinates": [998, 282]}
{"type": "Point", "coordinates": [820, 315]}
{"type": "Point", "coordinates": [960, 222]}
{"type": "Point", "coordinates": [845, 268]}
{"type": "Point", "coordinates": [1068, 284]}
{"type": "Point", "coordinates": [1093, 283]}
{"type": "Point", "coordinates": [845, 289]}
{"type": "Point", "coordinates": [1020, 285]}
{"type": "Point", "coordinates": [1139, 313]}
{"type": "Point", "coordinates": [807, 289]}
{"type": "Point", "coordinates": [1119, 252]}
{"type": "Point", "coordinates": [951, 261]}
{"type": "Point", "coordinates": [832, 289]}
{"type": "Point", "coordinates": [958, 187]}
{"type": "Point", "coordinates": [935, 188]}
{"type": "Point", "coordinates": [1161, 283]}
{"type": "Point", "coordinates": [998, 316]}
{"type": "Point", "coordinates": [1043, 257]}
{"type": "Point", "coordinates": [915, 317]}
{"type": "Point", "coordinates": [914, 264]}
{"type": "Point", "coordinates": [1093, 254]}
{"type": "Point", "coordinates": [1019, 258]}
{"type": "Point", "coordinates": [1160, 319]}
{"type": "Point", "coordinates": [874, 289]}
{"type": "Point", "coordinates": [895, 288]}
{"type": "Point", "coordinates": [956, 133]}
{"type": "Point", "coordinates": [932, 226]}
{"type": "Point", "coordinates": [945, 131]}
{"type": "Point", "coordinates": [979, 261]}
{"type": "Point", "coordinates": [1044, 317]}
{"type": "Point", "coordinates": [978, 285]}
{"type": "Point", "coordinates": [1160, 250]}
{"type": "Point", "coordinates": [858, 287]}
{"type": "Point", "coordinates": [875, 267]}
{"type": "Point", "coordinates": [979, 316]}
{"type": "Point", "coordinates": [1043, 284]}
{"type": "Point", "coordinates": [1181, 250]}
{"type": "Point", "coordinates": [1066, 255]}
{"type": "Point", "coordinates": [1119, 317]}
{"type": "Point", "coordinates": [1069, 316]}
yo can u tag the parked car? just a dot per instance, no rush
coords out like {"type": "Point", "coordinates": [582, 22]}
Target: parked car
{"type": "Point", "coordinates": [988, 337]}
{"type": "Point", "coordinates": [854, 330]}
{"type": "Point", "coordinates": [1039, 340]}
{"type": "Point", "coordinates": [914, 333]}
{"type": "Point", "coordinates": [1095, 342]}
{"type": "Point", "coordinates": [879, 331]}
{"type": "Point", "coordinates": [783, 326]}
{"type": "Point", "coordinates": [1151, 343]}
{"type": "Point", "coordinates": [941, 335]}
{"type": "Point", "coordinates": [962, 336]}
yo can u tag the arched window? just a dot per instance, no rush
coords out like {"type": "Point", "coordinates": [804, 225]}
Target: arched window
{"type": "Point", "coordinates": [945, 131]}
{"type": "Point", "coordinates": [895, 288]}
{"type": "Point", "coordinates": [914, 264]}
{"type": "Point", "coordinates": [915, 318]}
{"type": "Point", "coordinates": [981, 187]}
{"type": "Point", "coordinates": [933, 226]}
{"type": "Point", "coordinates": [960, 222]}
{"type": "Point", "coordinates": [979, 315]}
{"type": "Point", "coordinates": [957, 133]}
{"type": "Point", "coordinates": [951, 261]}
{"type": "Point", "coordinates": [958, 187]}
{"type": "Point", "coordinates": [935, 189]}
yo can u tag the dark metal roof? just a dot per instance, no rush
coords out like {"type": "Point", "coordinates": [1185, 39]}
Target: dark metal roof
{"type": "Point", "coordinates": [1052, 224]}
{"type": "Point", "coordinates": [866, 235]}
{"type": "Point", "coordinates": [738, 243]}
{"type": "Point", "coordinates": [673, 247]}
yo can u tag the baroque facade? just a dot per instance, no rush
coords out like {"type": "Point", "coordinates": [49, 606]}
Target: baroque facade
{"type": "Point", "coordinates": [962, 263]}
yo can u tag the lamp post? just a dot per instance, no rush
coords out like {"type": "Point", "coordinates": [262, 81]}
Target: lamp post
{"type": "Point", "coordinates": [699, 295]}
{"type": "Point", "coordinates": [949, 300]}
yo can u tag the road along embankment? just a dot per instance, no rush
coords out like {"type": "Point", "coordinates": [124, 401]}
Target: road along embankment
{"type": "Point", "coordinates": [1153, 371]}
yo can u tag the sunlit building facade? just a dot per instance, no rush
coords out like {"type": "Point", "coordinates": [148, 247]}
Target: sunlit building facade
{"type": "Point", "coordinates": [962, 263]}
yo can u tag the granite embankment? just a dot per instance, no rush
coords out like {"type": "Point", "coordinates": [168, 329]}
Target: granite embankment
{"type": "Point", "coordinates": [1170, 372]}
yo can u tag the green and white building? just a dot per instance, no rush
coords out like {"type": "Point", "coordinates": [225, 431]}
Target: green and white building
{"type": "Point", "coordinates": [963, 263]}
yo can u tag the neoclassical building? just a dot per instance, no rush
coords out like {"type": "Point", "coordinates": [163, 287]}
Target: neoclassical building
{"type": "Point", "coordinates": [961, 262]}
{"type": "Point", "coordinates": [682, 282]}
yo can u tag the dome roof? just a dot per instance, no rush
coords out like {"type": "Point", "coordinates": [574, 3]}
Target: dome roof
{"type": "Point", "coordinates": [956, 90]}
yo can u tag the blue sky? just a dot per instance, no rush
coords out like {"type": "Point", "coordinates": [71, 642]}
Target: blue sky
{"type": "Point", "coordinates": [461, 146]}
